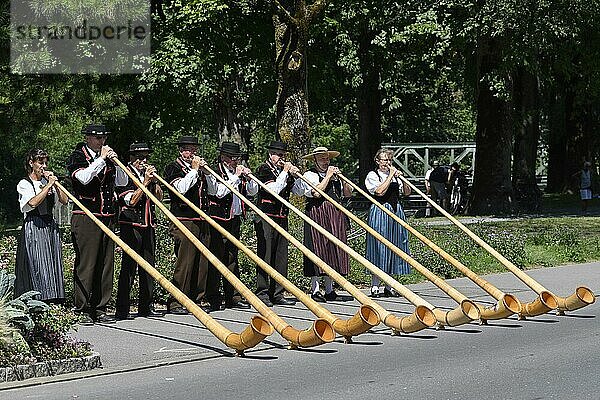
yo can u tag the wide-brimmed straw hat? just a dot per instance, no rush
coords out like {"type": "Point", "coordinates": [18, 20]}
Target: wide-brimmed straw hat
{"type": "Point", "coordinates": [321, 150]}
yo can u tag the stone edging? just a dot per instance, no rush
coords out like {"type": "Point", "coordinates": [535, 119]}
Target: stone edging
{"type": "Point", "coordinates": [50, 368]}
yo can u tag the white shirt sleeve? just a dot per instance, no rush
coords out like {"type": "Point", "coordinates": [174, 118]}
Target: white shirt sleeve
{"type": "Point", "coordinates": [216, 188]}
{"type": "Point", "coordinates": [121, 178]}
{"type": "Point", "coordinates": [313, 178]}
{"type": "Point", "coordinates": [184, 184]}
{"type": "Point", "coordinates": [299, 187]}
{"type": "Point", "coordinates": [251, 187]}
{"type": "Point", "coordinates": [127, 198]}
{"type": "Point", "coordinates": [87, 174]}
{"type": "Point", "coordinates": [372, 182]}
{"type": "Point", "coordinates": [26, 193]}
{"type": "Point", "coordinates": [278, 184]}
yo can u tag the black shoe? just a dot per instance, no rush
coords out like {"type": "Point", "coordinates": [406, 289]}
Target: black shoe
{"type": "Point", "coordinates": [123, 316]}
{"type": "Point", "coordinates": [283, 301]}
{"type": "Point", "coordinates": [267, 301]}
{"type": "Point", "coordinates": [178, 311]}
{"type": "Point", "coordinates": [318, 297]}
{"type": "Point", "coordinates": [390, 293]}
{"type": "Point", "coordinates": [151, 313]}
{"type": "Point", "coordinates": [105, 318]}
{"type": "Point", "coordinates": [240, 305]}
{"type": "Point", "coordinates": [331, 296]}
{"type": "Point", "coordinates": [85, 319]}
{"type": "Point", "coordinates": [207, 308]}
{"type": "Point", "coordinates": [375, 295]}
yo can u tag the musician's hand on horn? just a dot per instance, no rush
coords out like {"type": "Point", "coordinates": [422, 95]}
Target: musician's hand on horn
{"type": "Point", "coordinates": [49, 175]}
{"type": "Point", "coordinates": [241, 170]}
{"type": "Point", "coordinates": [107, 153]}
{"type": "Point", "coordinates": [394, 172]}
{"type": "Point", "coordinates": [149, 174]}
{"type": "Point", "coordinates": [332, 171]}
{"type": "Point", "coordinates": [198, 162]}
{"type": "Point", "coordinates": [290, 168]}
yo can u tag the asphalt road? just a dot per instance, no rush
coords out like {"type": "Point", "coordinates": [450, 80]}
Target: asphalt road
{"type": "Point", "coordinates": [546, 357]}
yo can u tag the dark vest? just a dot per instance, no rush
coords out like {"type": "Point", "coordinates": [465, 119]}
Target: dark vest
{"type": "Point", "coordinates": [392, 194]}
{"type": "Point", "coordinates": [333, 189]}
{"type": "Point", "coordinates": [142, 213]}
{"type": "Point", "coordinates": [46, 205]}
{"type": "Point", "coordinates": [267, 203]}
{"type": "Point", "coordinates": [222, 208]}
{"type": "Point", "coordinates": [197, 194]}
{"type": "Point", "coordinates": [98, 195]}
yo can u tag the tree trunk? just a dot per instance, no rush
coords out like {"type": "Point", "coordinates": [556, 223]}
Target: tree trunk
{"type": "Point", "coordinates": [229, 126]}
{"type": "Point", "coordinates": [369, 105]}
{"type": "Point", "coordinates": [492, 188]}
{"type": "Point", "coordinates": [527, 135]}
{"type": "Point", "coordinates": [557, 141]}
{"type": "Point", "coordinates": [292, 103]}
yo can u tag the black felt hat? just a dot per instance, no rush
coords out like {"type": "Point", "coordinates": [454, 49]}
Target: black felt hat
{"type": "Point", "coordinates": [191, 140]}
{"type": "Point", "coordinates": [94, 130]}
{"type": "Point", "coordinates": [230, 148]}
{"type": "Point", "coordinates": [139, 147]}
{"type": "Point", "coordinates": [277, 145]}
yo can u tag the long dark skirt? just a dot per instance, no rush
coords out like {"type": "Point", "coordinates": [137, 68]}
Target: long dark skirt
{"type": "Point", "coordinates": [378, 253]}
{"type": "Point", "coordinates": [335, 222]}
{"type": "Point", "coordinates": [39, 259]}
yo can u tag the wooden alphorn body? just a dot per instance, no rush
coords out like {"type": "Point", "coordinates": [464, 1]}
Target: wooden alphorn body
{"type": "Point", "coordinates": [467, 310]}
{"type": "Point", "coordinates": [421, 318]}
{"type": "Point", "coordinates": [507, 304]}
{"type": "Point", "coordinates": [546, 300]}
{"type": "Point", "coordinates": [258, 329]}
{"type": "Point", "coordinates": [321, 331]}
{"type": "Point", "coordinates": [362, 321]}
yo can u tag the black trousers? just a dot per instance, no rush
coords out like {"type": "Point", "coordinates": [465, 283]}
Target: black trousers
{"type": "Point", "coordinates": [227, 253]}
{"type": "Point", "coordinates": [94, 265]}
{"type": "Point", "coordinates": [272, 247]}
{"type": "Point", "coordinates": [191, 268]}
{"type": "Point", "coordinates": [142, 241]}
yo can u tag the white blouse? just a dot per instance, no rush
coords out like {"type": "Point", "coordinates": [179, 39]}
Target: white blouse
{"type": "Point", "coordinates": [26, 192]}
{"type": "Point", "coordinates": [375, 179]}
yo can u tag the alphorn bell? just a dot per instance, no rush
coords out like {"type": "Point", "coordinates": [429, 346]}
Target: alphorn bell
{"type": "Point", "coordinates": [467, 310]}
{"type": "Point", "coordinates": [420, 319]}
{"type": "Point", "coordinates": [258, 329]}
{"type": "Point", "coordinates": [362, 321]}
{"type": "Point", "coordinates": [507, 303]}
{"type": "Point", "coordinates": [546, 300]}
{"type": "Point", "coordinates": [321, 331]}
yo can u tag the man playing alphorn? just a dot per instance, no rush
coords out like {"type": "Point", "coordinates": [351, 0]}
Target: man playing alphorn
{"type": "Point", "coordinates": [227, 209]}
{"type": "Point", "coordinates": [94, 177]}
{"type": "Point", "coordinates": [272, 247]}
{"type": "Point", "coordinates": [186, 176]}
{"type": "Point", "coordinates": [137, 222]}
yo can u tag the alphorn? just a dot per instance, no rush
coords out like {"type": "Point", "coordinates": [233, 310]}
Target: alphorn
{"type": "Point", "coordinates": [507, 303]}
{"type": "Point", "coordinates": [258, 329]}
{"type": "Point", "coordinates": [421, 318]}
{"type": "Point", "coordinates": [321, 330]}
{"type": "Point", "coordinates": [546, 300]}
{"type": "Point", "coordinates": [467, 310]}
{"type": "Point", "coordinates": [362, 321]}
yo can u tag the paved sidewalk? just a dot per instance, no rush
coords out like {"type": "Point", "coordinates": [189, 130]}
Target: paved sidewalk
{"type": "Point", "coordinates": [144, 343]}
